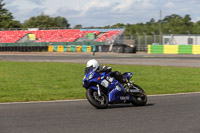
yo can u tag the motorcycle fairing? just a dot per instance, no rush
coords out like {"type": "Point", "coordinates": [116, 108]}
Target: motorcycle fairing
{"type": "Point", "coordinates": [115, 89]}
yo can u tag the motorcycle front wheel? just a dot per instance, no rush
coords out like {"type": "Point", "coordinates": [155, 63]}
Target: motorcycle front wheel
{"type": "Point", "coordinates": [141, 99]}
{"type": "Point", "coordinates": [100, 102]}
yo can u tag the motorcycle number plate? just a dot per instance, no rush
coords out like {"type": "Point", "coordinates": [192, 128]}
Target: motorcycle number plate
{"type": "Point", "coordinates": [124, 98]}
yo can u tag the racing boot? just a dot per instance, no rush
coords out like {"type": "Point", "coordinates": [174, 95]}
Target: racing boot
{"type": "Point", "coordinates": [127, 86]}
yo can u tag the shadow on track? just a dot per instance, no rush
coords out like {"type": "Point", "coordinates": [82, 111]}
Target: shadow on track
{"type": "Point", "coordinates": [113, 106]}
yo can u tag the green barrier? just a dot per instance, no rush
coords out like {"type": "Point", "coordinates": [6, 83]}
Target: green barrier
{"type": "Point", "coordinates": [65, 48]}
{"type": "Point", "coordinates": [84, 48]}
{"type": "Point", "coordinates": [185, 49]}
{"type": "Point", "coordinates": [26, 44]}
{"type": "Point", "coordinates": [156, 49]}
{"type": "Point", "coordinates": [84, 43]}
{"type": "Point", "coordinates": [7, 44]}
{"type": "Point", "coordinates": [73, 48]}
{"type": "Point", "coordinates": [55, 48]}
{"type": "Point", "coordinates": [51, 43]}
{"type": "Point", "coordinates": [92, 48]}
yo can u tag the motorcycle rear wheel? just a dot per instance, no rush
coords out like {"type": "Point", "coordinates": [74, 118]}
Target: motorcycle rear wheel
{"type": "Point", "coordinates": [100, 102]}
{"type": "Point", "coordinates": [140, 100]}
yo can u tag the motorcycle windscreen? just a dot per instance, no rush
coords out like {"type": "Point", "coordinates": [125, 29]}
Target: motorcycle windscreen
{"type": "Point", "coordinates": [87, 70]}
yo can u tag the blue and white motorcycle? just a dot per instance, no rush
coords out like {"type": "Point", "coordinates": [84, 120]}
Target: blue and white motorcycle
{"type": "Point", "coordinates": [102, 89]}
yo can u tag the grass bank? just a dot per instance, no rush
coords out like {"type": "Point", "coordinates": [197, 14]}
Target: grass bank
{"type": "Point", "coordinates": [34, 81]}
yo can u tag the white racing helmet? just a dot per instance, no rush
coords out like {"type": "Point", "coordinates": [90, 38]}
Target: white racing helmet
{"type": "Point", "coordinates": [93, 63]}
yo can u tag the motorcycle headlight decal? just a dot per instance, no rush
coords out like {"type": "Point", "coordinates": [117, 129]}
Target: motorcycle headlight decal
{"type": "Point", "coordinates": [90, 76]}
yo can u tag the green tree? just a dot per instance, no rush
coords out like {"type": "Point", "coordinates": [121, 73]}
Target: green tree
{"type": "Point", "coordinates": [6, 18]}
{"type": "Point", "coordinates": [173, 23]}
{"type": "Point", "coordinates": [118, 25]}
{"type": "Point", "coordinates": [107, 27]}
{"type": "Point", "coordinates": [177, 24]}
{"type": "Point", "coordinates": [45, 21]}
{"type": "Point", "coordinates": [61, 22]}
{"type": "Point", "coordinates": [196, 28]}
{"type": "Point", "coordinates": [79, 26]}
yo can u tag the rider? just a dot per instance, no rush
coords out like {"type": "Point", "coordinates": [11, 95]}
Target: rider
{"type": "Point", "coordinates": [99, 69]}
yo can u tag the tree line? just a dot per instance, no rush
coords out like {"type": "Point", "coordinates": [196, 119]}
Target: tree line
{"type": "Point", "coordinates": [173, 23]}
{"type": "Point", "coordinates": [41, 21]}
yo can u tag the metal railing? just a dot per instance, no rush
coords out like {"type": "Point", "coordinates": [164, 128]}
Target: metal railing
{"type": "Point", "coordinates": [140, 41]}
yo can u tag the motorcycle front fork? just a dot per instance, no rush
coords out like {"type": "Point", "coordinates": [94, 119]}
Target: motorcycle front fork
{"type": "Point", "coordinates": [99, 91]}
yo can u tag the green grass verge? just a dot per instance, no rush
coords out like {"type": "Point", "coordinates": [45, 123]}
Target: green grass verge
{"type": "Point", "coordinates": [34, 81]}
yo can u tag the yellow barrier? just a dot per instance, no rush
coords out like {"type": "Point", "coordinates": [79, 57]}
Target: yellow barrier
{"type": "Point", "coordinates": [60, 49]}
{"type": "Point", "coordinates": [149, 49]}
{"type": "Point", "coordinates": [89, 48]}
{"type": "Point", "coordinates": [78, 48]}
{"type": "Point", "coordinates": [50, 48]}
{"type": "Point", "coordinates": [196, 49]}
{"type": "Point", "coordinates": [68, 48]}
{"type": "Point", "coordinates": [170, 49]}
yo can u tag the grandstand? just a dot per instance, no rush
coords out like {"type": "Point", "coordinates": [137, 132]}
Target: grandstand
{"type": "Point", "coordinates": [66, 35]}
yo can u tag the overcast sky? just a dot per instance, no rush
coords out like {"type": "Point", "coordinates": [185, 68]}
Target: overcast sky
{"type": "Point", "coordinates": [103, 12]}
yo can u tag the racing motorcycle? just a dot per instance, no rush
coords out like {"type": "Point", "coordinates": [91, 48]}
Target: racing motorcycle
{"type": "Point", "coordinates": [102, 89]}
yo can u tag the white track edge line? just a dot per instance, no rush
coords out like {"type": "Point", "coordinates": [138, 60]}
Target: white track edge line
{"type": "Point", "coordinates": [56, 101]}
{"type": "Point", "coordinates": [78, 100]}
{"type": "Point", "coordinates": [175, 94]}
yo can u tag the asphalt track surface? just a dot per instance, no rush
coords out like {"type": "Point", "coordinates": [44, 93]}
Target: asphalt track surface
{"type": "Point", "coordinates": [162, 114]}
{"type": "Point", "coordinates": [107, 58]}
